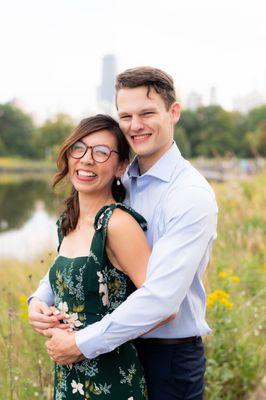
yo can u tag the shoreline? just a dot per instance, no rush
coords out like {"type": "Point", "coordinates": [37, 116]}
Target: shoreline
{"type": "Point", "coordinates": [213, 169]}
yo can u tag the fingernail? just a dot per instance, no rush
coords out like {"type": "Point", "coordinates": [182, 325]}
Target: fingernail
{"type": "Point", "coordinates": [56, 312]}
{"type": "Point", "coordinates": [66, 315]}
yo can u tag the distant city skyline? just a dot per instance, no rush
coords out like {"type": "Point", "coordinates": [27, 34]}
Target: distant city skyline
{"type": "Point", "coordinates": [192, 101]}
{"type": "Point", "coordinates": [52, 52]}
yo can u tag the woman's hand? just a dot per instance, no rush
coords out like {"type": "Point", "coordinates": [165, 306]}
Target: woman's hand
{"type": "Point", "coordinates": [42, 317]}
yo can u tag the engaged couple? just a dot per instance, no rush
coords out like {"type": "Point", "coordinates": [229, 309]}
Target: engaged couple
{"type": "Point", "coordinates": [123, 305]}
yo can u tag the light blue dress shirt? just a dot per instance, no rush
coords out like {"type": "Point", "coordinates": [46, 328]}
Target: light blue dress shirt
{"type": "Point", "coordinates": [180, 208]}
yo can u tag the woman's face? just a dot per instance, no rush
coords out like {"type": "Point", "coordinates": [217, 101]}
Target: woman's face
{"type": "Point", "coordinates": [89, 176]}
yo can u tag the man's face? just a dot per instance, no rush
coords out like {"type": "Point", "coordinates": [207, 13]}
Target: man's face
{"type": "Point", "coordinates": [146, 123]}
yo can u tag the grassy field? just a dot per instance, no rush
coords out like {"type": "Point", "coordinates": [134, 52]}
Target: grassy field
{"type": "Point", "coordinates": [236, 286]}
{"type": "Point", "coordinates": [11, 164]}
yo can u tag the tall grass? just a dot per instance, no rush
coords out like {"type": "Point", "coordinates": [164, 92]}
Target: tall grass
{"type": "Point", "coordinates": [26, 371]}
{"type": "Point", "coordinates": [236, 285]}
{"type": "Point", "coordinates": [236, 282]}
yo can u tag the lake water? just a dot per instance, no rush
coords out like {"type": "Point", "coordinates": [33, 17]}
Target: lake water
{"type": "Point", "coordinates": [28, 212]}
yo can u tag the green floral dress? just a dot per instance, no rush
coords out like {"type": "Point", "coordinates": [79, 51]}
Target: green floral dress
{"type": "Point", "coordinates": [87, 288]}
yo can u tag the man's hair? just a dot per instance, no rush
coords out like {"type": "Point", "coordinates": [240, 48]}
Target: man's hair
{"type": "Point", "coordinates": [152, 78]}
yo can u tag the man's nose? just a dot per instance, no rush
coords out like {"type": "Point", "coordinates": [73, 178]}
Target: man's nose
{"type": "Point", "coordinates": [136, 124]}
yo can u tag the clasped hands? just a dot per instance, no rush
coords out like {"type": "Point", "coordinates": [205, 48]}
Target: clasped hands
{"type": "Point", "coordinates": [61, 345]}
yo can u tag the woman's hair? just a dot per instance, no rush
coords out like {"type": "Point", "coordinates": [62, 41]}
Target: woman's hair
{"type": "Point", "coordinates": [87, 126]}
{"type": "Point", "coordinates": [151, 78]}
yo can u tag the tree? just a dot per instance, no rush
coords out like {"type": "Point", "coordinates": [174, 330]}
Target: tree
{"type": "Point", "coordinates": [52, 134]}
{"type": "Point", "coordinates": [190, 124]}
{"type": "Point", "coordinates": [16, 132]}
{"type": "Point", "coordinates": [257, 141]}
{"type": "Point", "coordinates": [182, 141]}
{"type": "Point", "coordinates": [216, 132]}
{"type": "Point", "coordinates": [256, 117]}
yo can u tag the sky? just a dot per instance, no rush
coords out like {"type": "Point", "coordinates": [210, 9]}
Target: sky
{"type": "Point", "coordinates": [52, 50]}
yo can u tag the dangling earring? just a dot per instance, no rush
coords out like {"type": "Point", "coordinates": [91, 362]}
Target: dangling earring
{"type": "Point", "coordinates": [118, 182]}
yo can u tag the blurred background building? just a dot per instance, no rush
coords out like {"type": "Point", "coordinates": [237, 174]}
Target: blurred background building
{"type": "Point", "coordinates": [106, 91]}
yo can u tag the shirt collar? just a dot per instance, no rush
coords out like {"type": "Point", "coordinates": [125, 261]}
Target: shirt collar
{"type": "Point", "coordinates": [162, 169]}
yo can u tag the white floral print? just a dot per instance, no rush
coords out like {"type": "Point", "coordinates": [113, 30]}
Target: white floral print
{"type": "Point", "coordinates": [77, 387]}
{"type": "Point", "coordinates": [63, 307]}
{"type": "Point", "coordinates": [103, 289]}
{"type": "Point", "coordinates": [73, 320]}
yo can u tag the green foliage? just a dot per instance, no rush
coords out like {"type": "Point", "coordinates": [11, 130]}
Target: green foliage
{"type": "Point", "coordinates": [256, 140]}
{"type": "Point", "coordinates": [16, 132]}
{"type": "Point", "coordinates": [215, 132]}
{"type": "Point", "coordinates": [255, 117]}
{"type": "Point", "coordinates": [209, 131]}
{"type": "Point", "coordinates": [52, 134]}
{"type": "Point", "coordinates": [182, 141]}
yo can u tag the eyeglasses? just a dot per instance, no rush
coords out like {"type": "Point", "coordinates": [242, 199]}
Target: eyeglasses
{"type": "Point", "coordinates": [99, 153]}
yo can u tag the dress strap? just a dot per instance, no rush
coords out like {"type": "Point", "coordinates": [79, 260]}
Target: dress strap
{"type": "Point", "coordinates": [101, 223]}
{"type": "Point", "coordinates": [103, 215]}
{"type": "Point", "coordinates": [59, 230]}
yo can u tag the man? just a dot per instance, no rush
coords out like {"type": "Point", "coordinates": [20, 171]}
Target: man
{"type": "Point", "coordinates": [181, 212]}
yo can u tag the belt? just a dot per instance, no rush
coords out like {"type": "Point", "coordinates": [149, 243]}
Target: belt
{"type": "Point", "coordinates": [166, 341]}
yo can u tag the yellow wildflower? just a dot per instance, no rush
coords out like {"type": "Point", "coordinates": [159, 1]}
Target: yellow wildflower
{"type": "Point", "coordinates": [23, 306]}
{"type": "Point", "coordinates": [219, 296]}
{"type": "Point", "coordinates": [235, 279]}
{"type": "Point", "coordinates": [226, 303]}
{"type": "Point", "coordinates": [222, 274]}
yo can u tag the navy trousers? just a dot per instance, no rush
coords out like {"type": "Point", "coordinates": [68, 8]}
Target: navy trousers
{"type": "Point", "coordinates": [173, 371]}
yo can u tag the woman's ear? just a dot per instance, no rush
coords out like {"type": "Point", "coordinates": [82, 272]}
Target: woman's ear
{"type": "Point", "coordinates": [121, 168]}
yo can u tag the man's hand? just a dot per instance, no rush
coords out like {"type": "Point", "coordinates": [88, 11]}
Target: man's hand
{"type": "Point", "coordinates": [41, 316]}
{"type": "Point", "coordinates": [62, 347]}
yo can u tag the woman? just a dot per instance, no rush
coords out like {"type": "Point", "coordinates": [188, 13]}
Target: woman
{"type": "Point", "coordinates": [102, 250]}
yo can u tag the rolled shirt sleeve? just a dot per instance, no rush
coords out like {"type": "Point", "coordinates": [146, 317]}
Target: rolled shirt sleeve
{"type": "Point", "coordinates": [44, 291]}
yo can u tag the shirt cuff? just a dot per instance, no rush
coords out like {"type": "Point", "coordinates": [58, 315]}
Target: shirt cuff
{"type": "Point", "coordinates": [90, 340]}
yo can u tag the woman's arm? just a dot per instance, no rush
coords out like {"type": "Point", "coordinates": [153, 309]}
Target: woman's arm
{"type": "Point", "coordinates": [128, 249]}
{"type": "Point", "coordinates": [127, 246]}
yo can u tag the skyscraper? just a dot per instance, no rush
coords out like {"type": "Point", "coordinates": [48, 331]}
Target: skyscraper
{"type": "Point", "coordinates": [106, 91]}
{"type": "Point", "coordinates": [213, 96]}
{"type": "Point", "coordinates": [194, 101]}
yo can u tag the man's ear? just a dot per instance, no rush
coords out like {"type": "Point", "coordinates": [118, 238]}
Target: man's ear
{"type": "Point", "coordinates": [175, 110]}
